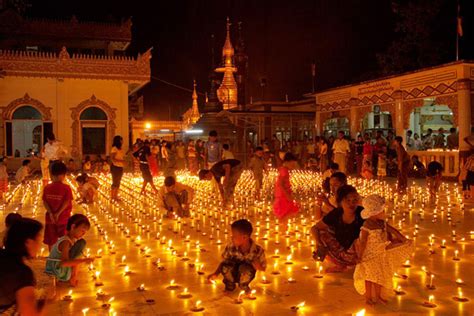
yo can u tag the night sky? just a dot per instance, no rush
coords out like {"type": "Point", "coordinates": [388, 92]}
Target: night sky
{"type": "Point", "coordinates": [282, 38]}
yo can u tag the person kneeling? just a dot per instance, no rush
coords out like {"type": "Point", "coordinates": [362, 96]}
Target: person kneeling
{"type": "Point", "coordinates": [242, 258]}
{"type": "Point", "coordinates": [175, 197]}
{"type": "Point", "coordinates": [63, 258]}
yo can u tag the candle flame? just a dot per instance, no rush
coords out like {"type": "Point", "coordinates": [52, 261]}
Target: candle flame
{"type": "Point", "coordinates": [361, 312]}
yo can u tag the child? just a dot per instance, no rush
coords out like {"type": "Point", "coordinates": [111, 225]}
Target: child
{"type": "Point", "coordinates": [380, 249]}
{"type": "Point", "coordinates": [382, 165]}
{"type": "Point", "coordinates": [143, 155]}
{"type": "Point", "coordinates": [86, 189]}
{"type": "Point", "coordinates": [258, 166]}
{"type": "Point", "coordinates": [44, 165]}
{"type": "Point", "coordinates": [71, 166]}
{"type": "Point", "coordinates": [63, 258]}
{"type": "Point", "coordinates": [333, 167]}
{"type": "Point", "coordinates": [87, 165]}
{"type": "Point", "coordinates": [433, 177]}
{"type": "Point", "coordinates": [3, 179]}
{"type": "Point", "coordinates": [9, 220]}
{"type": "Point", "coordinates": [57, 199]}
{"type": "Point", "coordinates": [367, 172]}
{"type": "Point", "coordinates": [242, 258]}
{"type": "Point", "coordinates": [23, 172]}
{"type": "Point", "coordinates": [284, 205]}
{"type": "Point", "coordinates": [226, 153]}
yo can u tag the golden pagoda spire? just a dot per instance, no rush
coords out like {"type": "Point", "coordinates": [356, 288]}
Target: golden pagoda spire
{"type": "Point", "coordinates": [227, 92]}
{"type": "Point", "coordinates": [195, 108]}
{"type": "Point", "coordinates": [228, 49]}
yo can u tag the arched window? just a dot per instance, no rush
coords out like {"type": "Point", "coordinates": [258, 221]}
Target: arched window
{"type": "Point", "coordinates": [27, 112]}
{"type": "Point", "coordinates": [93, 131]}
{"type": "Point", "coordinates": [93, 114]}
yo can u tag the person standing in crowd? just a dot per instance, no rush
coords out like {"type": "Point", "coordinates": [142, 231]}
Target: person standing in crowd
{"type": "Point", "coordinates": [17, 289]}
{"type": "Point", "coordinates": [417, 142]}
{"type": "Point", "coordinates": [200, 153]}
{"type": "Point", "coordinates": [403, 160]}
{"type": "Point", "coordinates": [57, 200]}
{"type": "Point", "coordinates": [163, 155]}
{"type": "Point", "coordinates": [433, 178]}
{"type": "Point", "coordinates": [368, 149]}
{"type": "Point", "coordinates": [410, 142]}
{"type": "Point", "coordinates": [359, 151]}
{"type": "Point", "coordinates": [428, 141]}
{"type": "Point", "coordinates": [452, 139]}
{"type": "Point", "coordinates": [171, 161]}
{"type": "Point", "coordinates": [323, 155]}
{"type": "Point", "coordinates": [53, 150]}
{"type": "Point", "coordinates": [284, 205]}
{"type": "Point", "coordinates": [226, 153]}
{"type": "Point", "coordinates": [382, 154]}
{"type": "Point", "coordinates": [153, 161]}
{"type": "Point", "coordinates": [180, 155]}
{"type": "Point", "coordinates": [117, 157]}
{"type": "Point", "coordinates": [87, 165]}
{"type": "Point", "coordinates": [230, 170]}
{"type": "Point", "coordinates": [341, 150]}
{"type": "Point", "coordinates": [143, 155]}
{"type": "Point", "coordinates": [44, 165]}
{"type": "Point", "coordinates": [3, 180]}
{"type": "Point", "coordinates": [192, 157]}
{"type": "Point", "coordinates": [439, 139]}
{"type": "Point", "coordinates": [175, 198]}
{"type": "Point", "coordinates": [212, 150]}
{"type": "Point", "coordinates": [258, 167]}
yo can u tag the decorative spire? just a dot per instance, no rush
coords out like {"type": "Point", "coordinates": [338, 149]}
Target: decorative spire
{"type": "Point", "coordinates": [195, 108]}
{"type": "Point", "coordinates": [228, 50]}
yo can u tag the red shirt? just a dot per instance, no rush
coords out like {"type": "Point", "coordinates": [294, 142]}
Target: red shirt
{"type": "Point", "coordinates": [55, 194]}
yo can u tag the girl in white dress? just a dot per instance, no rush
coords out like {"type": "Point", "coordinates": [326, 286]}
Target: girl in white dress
{"type": "Point", "coordinates": [380, 248]}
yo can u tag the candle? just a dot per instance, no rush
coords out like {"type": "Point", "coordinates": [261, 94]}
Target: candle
{"type": "Point", "coordinates": [288, 260]}
{"type": "Point", "coordinates": [239, 300]}
{"type": "Point", "coordinates": [431, 286]}
{"type": "Point", "coordinates": [126, 271]}
{"type": "Point", "coordinates": [122, 262]}
{"type": "Point", "coordinates": [275, 254]}
{"type": "Point", "coordinates": [407, 264]}
{"type": "Point", "coordinates": [68, 297]}
{"type": "Point", "coordinates": [84, 311]}
{"type": "Point", "coordinates": [264, 280]}
{"type": "Point", "coordinates": [184, 294]}
{"type": "Point", "coordinates": [399, 290]}
{"type": "Point", "coordinates": [252, 296]}
{"type": "Point", "coordinates": [320, 270]}
{"type": "Point", "coordinates": [430, 303]}
{"type": "Point", "coordinates": [141, 288]}
{"type": "Point", "coordinates": [460, 297]}
{"type": "Point", "coordinates": [197, 307]}
{"type": "Point", "coordinates": [107, 304]}
{"type": "Point", "coordinates": [456, 258]}
{"type": "Point", "coordinates": [98, 282]}
{"type": "Point", "coordinates": [291, 280]}
{"type": "Point", "coordinates": [459, 282]}
{"type": "Point", "coordinates": [443, 243]}
{"type": "Point", "coordinates": [298, 307]}
{"type": "Point", "coordinates": [305, 268]}
{"type": "Point", "coordinates": [275, 268]}
{"type": "Point", "coordinates": [172, 285]}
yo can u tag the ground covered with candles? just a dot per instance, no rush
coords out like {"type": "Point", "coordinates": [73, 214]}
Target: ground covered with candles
{"type": "Point", "coordinates": [147, 264]}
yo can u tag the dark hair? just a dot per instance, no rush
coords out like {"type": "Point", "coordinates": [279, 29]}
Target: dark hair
{"type": "Point", "coordinates": [81, 179]}
{"type": "Point", "coordinates": [340, 176]}
{"type": "Point", "coordinates": [77, 220]}
{"type": "Point", "coordinates": [399, 139]}
{"type": "Point", "coordinates": [58, 169]}
{"type": "Point", "coordinates": [452, 130]}
{"type": "Point", "coordinates": [344, 191]}
{"type": "Point", "coordinates": [226, 146]}
{"type": "Point", "coordinates": [117, 142]}
{"type": "Point", "coordinates": [12, 218]}
{"type": "Point", "coordinates": [341, 132]}
{"type": "Point", "coordinates": [289, 157]}
{"type": "Point", "coordinates": [2, 159]}
{"type": "Point", "coordinates": [259, 148]}
{"type": "Point", "coordinates": [202, 173]}
{"type": "Point", "coordinates": [334, 166]}
{"type": "Point", "coordinates": [26, 162]}
{"type": "Point", "coordinates": [17, 235]}
{"type": "Point", "coordinates": [243, 226]}
{"type": "Point", "coordinates": [213, 133]}
{"type": "Point", "coordinates": [169, 181]}
{"type": "Point", "coordinates": [51, 136]}
{"type": "Point", "coordinates": [434, 168]}
{"type": "Point", "coordinates": [87, 158]}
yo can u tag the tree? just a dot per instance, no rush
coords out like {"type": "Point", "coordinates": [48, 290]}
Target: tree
{"type": "Point", "coordinates": [418, 42]}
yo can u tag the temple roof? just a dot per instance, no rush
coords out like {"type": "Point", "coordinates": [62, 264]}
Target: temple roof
{"type": "Point", "coordinates": [14, 24]}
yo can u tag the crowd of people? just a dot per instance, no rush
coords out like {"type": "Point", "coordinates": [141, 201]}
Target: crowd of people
{"type": "Point", "coordinates": [350, 232]}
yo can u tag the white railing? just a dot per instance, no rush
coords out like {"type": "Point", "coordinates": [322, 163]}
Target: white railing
{"type": "Point", "coordinates": [448, 158]}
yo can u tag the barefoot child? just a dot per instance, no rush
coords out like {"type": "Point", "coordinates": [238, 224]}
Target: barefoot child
{"type": "Point", "coordinates": [433, 177]}
{"type": "Point", "coordinates": [57, 200]}
{"type": "Point", "coordinates": [380, 249]}
{"type": "Point", "coordinates": [63, 258]}
{"type": "Point", "coordinates": [367, 171]}
{"type": "Point", "coordinates": [242, 258]}
{"type": "Point", "coordinates": [284, 205]}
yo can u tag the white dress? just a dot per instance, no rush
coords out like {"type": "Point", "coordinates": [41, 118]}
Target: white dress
{"type": "Point", "coordinates": [378, 264]}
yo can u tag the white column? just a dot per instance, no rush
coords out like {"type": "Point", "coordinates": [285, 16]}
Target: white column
{"type": "Point", "coordinates": [464, 112]}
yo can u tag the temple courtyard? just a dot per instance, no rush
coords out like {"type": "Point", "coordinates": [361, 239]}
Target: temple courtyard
{"type": "Point", "coordinates": [147, 264]}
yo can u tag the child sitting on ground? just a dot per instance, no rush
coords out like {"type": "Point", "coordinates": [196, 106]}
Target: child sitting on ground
{"type": "Point", "coordinates": [87, 190]}
{"type": "Point", "coordinates": [63, 258]}
{"type": "Point", "coordinates": [380, 249]}
{"type": "Point", "coordinates": [9, 220]}
{"type": "Point", "coordinates": [23, 172]}
{"type": "Point", "coordinates": [57, 200]}
{"type": "Point", "coordinates": [242, 258]}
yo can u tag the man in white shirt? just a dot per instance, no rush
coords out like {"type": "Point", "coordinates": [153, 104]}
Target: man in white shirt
{"type": "Point", "coordinates": [341, 148]}
{"type": "Point", "coordinates": [52, 150]}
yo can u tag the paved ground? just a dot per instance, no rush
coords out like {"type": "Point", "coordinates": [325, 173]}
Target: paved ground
{"type": "Point", "coordinates": [203, 238]}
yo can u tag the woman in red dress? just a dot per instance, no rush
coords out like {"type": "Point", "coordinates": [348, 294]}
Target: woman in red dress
{"type": "Point", "coordinates": [284, 205]}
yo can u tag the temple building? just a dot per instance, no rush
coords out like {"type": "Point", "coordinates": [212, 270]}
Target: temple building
{"type": "Point", "coordinates": [431, 98]}
{"type": "Point", "coordinates": [71, 78]}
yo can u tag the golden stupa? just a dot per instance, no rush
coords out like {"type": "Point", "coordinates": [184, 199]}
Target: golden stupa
{"type": "Point", "coordinates": [227, 92]}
